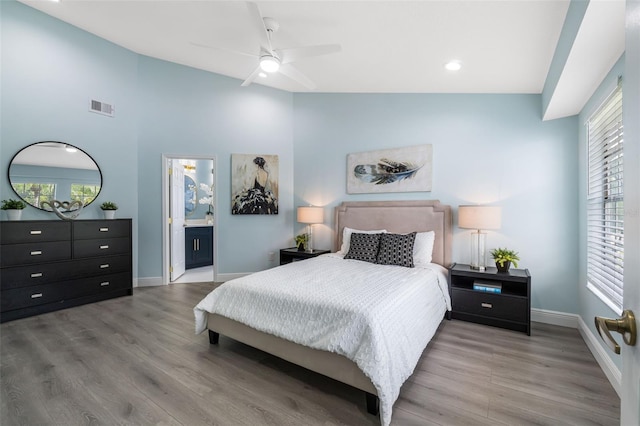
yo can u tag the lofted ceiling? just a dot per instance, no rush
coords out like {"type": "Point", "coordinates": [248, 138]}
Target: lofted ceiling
{"type": "Point", "coordinates": [504, 46]}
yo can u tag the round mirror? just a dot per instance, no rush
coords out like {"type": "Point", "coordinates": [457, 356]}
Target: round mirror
{"type": "Point", "coordinates": [52, 170]}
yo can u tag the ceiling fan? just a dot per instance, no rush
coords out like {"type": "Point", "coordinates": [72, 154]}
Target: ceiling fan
{"type": "Point", "coordinates": [272, 60]}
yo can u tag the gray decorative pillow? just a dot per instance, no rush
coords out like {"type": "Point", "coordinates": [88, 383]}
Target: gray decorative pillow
{"type": "Point", "coordinates": [364, 247]}
{"type": "Point", "coordinates": [396, 249]}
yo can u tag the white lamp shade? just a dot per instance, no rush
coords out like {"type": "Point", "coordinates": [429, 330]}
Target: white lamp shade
{"type": "Point", "coordinates": [479, 217]}
{"type": "Point", "coordinates": [310, 215]}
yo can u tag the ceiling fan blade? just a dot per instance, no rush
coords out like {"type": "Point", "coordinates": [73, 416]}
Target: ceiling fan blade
{"type": "Point", "coordinates": [296, 75]}
{"type": "Point", "coordinates": [258, 21]}
{"type": "Point", "coordinates": [224, 49]}
{"type": "Point", "coordinates": [252, 77]}
{"type": "Point", "coordinates": [297, 53]}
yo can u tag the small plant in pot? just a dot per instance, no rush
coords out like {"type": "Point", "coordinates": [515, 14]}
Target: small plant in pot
{"type": "Point", "coordinates": [504, 258]}
{"type": "Point", "coordinates": [109, 208]}
{"type": "Point", "coordinates": [301, 241]}
{"type": "Point", "coordinates": [14, 208]}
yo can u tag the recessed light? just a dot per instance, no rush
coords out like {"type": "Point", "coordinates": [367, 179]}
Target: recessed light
{"type": "Point", "coordinates": [453, 65]}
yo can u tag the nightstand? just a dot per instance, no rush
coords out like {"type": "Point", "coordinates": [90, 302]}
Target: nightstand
{"type": "Point", "coordinates": [292, 254]}
{"type": "Point", "coordinates": [509, 308]}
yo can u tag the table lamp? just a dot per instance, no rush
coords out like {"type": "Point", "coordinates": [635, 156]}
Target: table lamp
{"type": "Point", "coordinates": [479, 218]}
{"type": "Point", "coordinates": [310, 215]}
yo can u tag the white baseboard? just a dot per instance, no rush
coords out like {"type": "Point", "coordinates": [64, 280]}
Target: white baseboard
{"type": "Point", "coordinates": [157, 281]}
{"type": "Point", "coordinates": [562, 319]}
{"type": "Point", "coordinates": [599, 353]}
{"type": "Point", "coordinates": [149, 282]}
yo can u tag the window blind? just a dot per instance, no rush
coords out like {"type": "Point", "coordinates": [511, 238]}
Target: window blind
{"type": "Point", "coordinates": [605, 202]}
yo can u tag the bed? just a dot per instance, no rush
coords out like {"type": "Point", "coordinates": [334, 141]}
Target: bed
{"type": "Point", "coordinates": [322, 348]}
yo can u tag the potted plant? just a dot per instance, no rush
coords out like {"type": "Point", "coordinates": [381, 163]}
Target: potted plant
{"type": "Point", "coordinates": [301, 241]}
{"type": "Point", "coordinates": [504, 258]}
{"type": "Point", "coordinates": [14, 208]}
{"type": "Point", "coordinates": [109, 208]}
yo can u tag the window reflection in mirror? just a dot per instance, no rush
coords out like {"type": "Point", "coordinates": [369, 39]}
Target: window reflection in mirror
{"type": "Point", "coordinates": [52, 170]}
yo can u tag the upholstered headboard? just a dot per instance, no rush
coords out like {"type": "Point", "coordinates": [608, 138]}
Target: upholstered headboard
{"type": "Point", "coordinates": [400, 217]}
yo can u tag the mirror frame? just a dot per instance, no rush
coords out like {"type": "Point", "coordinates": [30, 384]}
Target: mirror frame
{"type": "Point", "coordinates": [62, 143]}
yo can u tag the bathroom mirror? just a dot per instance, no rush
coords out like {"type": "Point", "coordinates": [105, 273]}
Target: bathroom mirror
{"type": "Point", "coordinates": [52, 170]}
{"type": "Point", "coordinates": [190, 196]}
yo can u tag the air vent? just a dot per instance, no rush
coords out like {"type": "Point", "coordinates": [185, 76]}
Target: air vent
{"type": "Point", "coordinates": [101, 108]}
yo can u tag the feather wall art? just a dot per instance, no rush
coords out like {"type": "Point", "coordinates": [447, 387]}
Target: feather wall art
{"type": "Point", "coordinates": [406, 169]}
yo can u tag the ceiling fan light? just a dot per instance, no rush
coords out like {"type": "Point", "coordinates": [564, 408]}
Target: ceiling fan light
{"type": "Point", "coordinates": [453, 66]}
{"type": "Point", "coordinates": [269, 63]}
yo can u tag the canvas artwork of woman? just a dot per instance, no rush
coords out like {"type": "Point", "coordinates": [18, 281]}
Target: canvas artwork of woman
{"type": "Point", "coordinates": [254, 184]}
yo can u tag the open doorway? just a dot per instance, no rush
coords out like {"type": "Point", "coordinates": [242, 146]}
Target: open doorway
{"type": "Point", "coordinates": [188, 209]}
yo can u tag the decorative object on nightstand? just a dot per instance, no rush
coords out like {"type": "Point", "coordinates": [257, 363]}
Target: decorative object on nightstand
{"type": "Point", "coordinates": [13, 208]}
{"type": "Point", "coordinates": [292, 254]}
{"type": "Point", "coordinates": [310, 215]}
{"type": "Point", "coordinates": [301, 241]}
{"type": "Point", "coordinates": [491, 298]}
{"type": "Point", "coordinates": [479, 218]}
{"type": "Point", "coordinates": [504, 258]}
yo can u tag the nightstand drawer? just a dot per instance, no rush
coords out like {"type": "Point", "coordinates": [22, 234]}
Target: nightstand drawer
{"type": "Point", "coordinates": [511, 308]}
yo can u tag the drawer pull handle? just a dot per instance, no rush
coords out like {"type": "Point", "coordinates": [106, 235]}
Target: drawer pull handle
{"type": "Point", "coordinates": [106, 246]}
{"type": "Point", "coordinates": [36, 275]}
{"type": "Point", "coordinates": [105, 266]}
{"type": "Point", "coordinates": [36, 253]}
{"type": "Point", "coordinates": [35, 232]}
{"type": "Point", "coordinates": [487, 305]}
{"type": "Point", "coordinates": [106, 283]}
{"type": "Point", "coordinates": [104, 229]}
{"type": "Point", "coordinates": [36, 295]}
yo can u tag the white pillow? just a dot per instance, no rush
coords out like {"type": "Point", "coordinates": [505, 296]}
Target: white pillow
{"type": "Point", "coordinates": [346, 238]}
{"type": "Point", "coordinates": [423, 248]}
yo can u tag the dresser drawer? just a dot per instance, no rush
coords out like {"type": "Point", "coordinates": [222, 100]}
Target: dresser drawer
{"type": "Point", "coordinates": [21, 254]}
{"type": "Point", "coordinates": [500, 306]}
{"type": "Point", "coordinates": [99, 229]}
{"type": "Point", "coordinates": [34, 231]}
{"type": "Point", "coordinates": [24, 297]}
{"type": "Point", "coordinates": [101, 247]}
{"type": "Point", "coordinates": [48, 273]}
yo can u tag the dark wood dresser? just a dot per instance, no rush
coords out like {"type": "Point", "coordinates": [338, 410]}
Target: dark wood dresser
{"type": "Point", "coordinates": [48, 265]}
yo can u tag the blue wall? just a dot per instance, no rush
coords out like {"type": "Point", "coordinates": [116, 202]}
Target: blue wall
{"type": "Point", "coordinates": [190, 112]}
{"type": "Point", "coordinates": [486, 149]}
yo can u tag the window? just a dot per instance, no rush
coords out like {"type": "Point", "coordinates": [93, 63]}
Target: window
{"type": "Point", "coordinates": [84, 193]}
{"type": "Point", "coordinates": [605, 198]}
{"type": "Point", "coordinates": [35, 193]}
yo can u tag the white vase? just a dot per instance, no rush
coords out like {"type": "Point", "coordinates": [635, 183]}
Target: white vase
{"type": "Point", "coordinates": [109, 214]}
{"type": "Point", "coordinates": [209, 218]}
{"type": "Point", "coordinates": [14, 214]}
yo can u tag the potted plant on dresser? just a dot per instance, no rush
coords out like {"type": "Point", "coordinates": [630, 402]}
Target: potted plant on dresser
{"type": "Point", "coordinates": [14, 208]}
{"type": "Point", "coordinates": [504, 258]}
{"type": "Point", "coordinates": [109, 208]}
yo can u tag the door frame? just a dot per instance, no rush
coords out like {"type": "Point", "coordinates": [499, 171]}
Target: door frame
{"type": "Point", "coordinates": [166, 230]}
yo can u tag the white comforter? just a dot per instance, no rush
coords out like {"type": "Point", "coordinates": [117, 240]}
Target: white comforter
{"type": "Point", "coordinates": [380, 317]}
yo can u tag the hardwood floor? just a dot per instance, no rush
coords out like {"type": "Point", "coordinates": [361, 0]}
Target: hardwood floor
{"type": "Point", "coordinates": [136, 360]}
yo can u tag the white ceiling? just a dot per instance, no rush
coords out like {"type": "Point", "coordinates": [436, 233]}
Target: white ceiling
{"type": "Point", "coordinates": [505, 46]}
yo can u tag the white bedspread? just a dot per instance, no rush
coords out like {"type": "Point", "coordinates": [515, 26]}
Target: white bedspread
{"type": "Point", "coordinates": [380, 317]}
